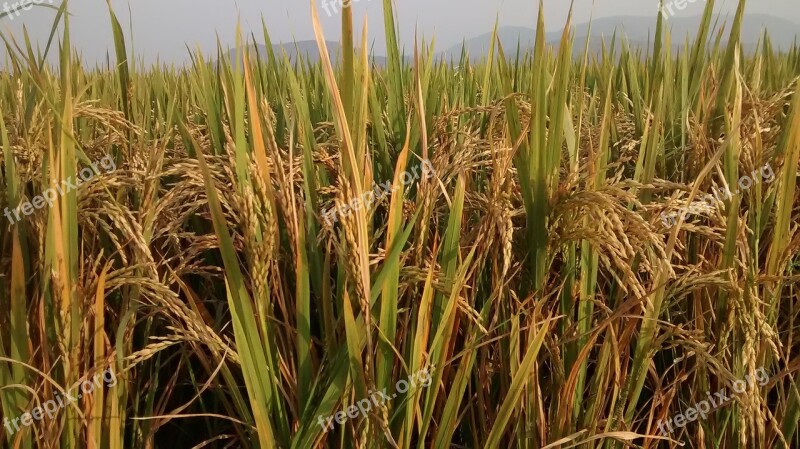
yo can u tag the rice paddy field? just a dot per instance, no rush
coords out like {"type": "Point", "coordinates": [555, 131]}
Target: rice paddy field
{"type": "Point", "coordinates": [522, 251]}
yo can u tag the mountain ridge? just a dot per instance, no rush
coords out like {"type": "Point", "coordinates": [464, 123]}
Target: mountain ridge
{"type": "Point", "coordinates": [638, 31]}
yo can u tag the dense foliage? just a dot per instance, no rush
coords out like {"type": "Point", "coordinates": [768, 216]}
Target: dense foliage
{"type": "Point", "coordinates": [532, 277]}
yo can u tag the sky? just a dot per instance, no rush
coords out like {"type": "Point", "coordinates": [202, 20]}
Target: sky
{"type": "Point", "coordinates": [163, 29]}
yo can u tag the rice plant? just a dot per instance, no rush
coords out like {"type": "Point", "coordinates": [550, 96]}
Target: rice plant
{"type": "Point", "coordinates": [514, 285]}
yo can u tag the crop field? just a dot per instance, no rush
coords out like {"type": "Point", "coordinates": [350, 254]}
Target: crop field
{"type": "Point", "coordinates": [530, 250]}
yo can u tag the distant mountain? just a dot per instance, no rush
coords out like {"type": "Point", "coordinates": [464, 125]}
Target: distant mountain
{"type": "Point", "coordinates": [307, 49]}
{"type": "Point", "coordinates": [637, 30]}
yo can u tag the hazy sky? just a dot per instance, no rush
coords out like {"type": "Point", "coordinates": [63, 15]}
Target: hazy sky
{"type": "Point", "coordinates": [165, 27]}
